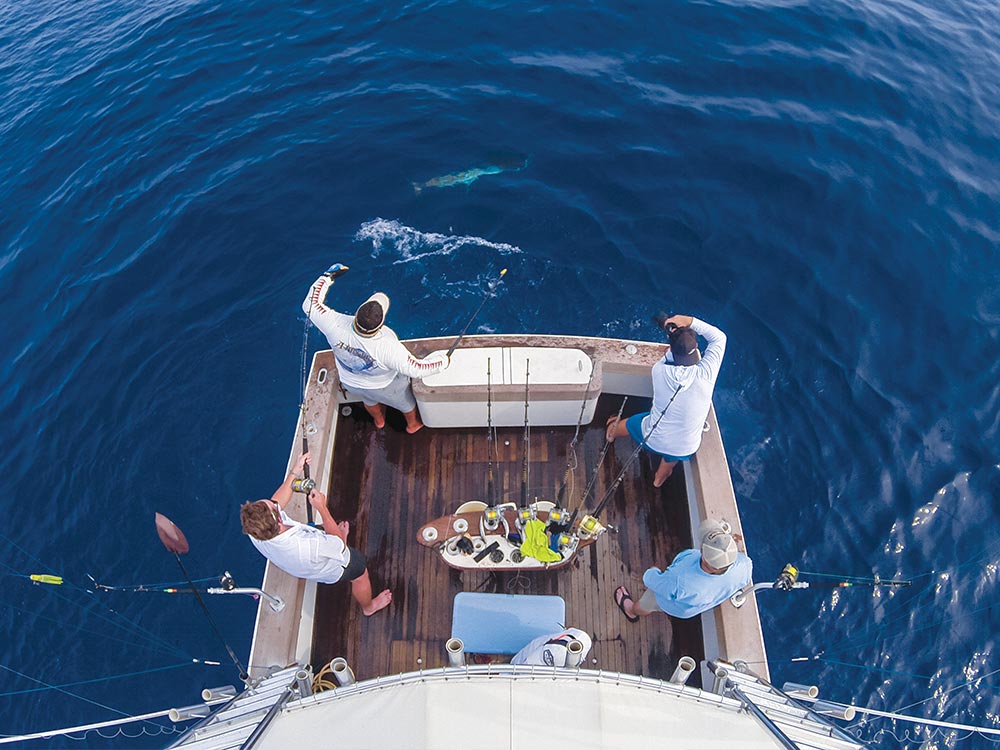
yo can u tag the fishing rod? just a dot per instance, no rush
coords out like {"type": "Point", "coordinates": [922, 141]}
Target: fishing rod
{"type": "Point", "coordinates": [175, 541]}
{"type": "Point", "coordinates": [788, 580]}
{"type": "Point", "coordinates": [307, 484]}
{"type": "Point", "coordinates": [571, 451]}
{"type": "Point", "coordinates": [490, 496]}
{"type": "Point", "coordinates": [632, 458]}
{"type": "Point", "coordinates": [151, 588]}
{"type": "Point", "coordinates": [600, 463]}
{"type": "Point", "coordinates": [490, 289]}
{"type": "Point", "coordinates": [527, 440]}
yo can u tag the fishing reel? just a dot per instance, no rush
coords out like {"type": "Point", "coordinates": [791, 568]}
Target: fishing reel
{"type": "Point", "coordinates": [590, 528]}
{"type": "Point", "coordinates": [787, 579]}
{"type": "Point", "coordinates": [491, 519]}
{"type": "Point", "coordinates": [305, 485]}
{"type": "Point", "coordinates": [525, 514]}
{"type": "Point", "coordinates": [660, 321]}
{"type": "Point", "coordinates": [558, 516]}
{"type": "Point", "coordinates": [227, 582]}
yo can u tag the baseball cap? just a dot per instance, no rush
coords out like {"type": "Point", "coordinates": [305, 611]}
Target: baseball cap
{"type": "Point", "coordinates": [718, 548]}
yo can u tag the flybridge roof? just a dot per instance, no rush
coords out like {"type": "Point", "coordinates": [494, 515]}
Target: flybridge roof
{"type": "Point", "coordinates": [551, 709]}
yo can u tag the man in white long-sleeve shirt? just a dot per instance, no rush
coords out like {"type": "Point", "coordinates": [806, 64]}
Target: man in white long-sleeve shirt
{"type": "Point", "coordinates": [683, 382]}
{"type": "Point", "coordinates": [371, 361]}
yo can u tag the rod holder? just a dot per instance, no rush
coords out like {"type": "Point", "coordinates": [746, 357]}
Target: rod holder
{"type": "Point", "coordinates": [303, 683]}
{"type": "Point", "coordinates": [218, 693]}
{"type": "Point", "coordinates": [721, 680]}
{"type": "Point", "coordinates": [197, 711]}
{"type": "Point", "coordinates": [342, 672]}
{"type": "Point", "coordinates": [574, 653]}
{"type": "Point", "coordinates": [798, 690]}
{"type": "Point", "coordinates": [276, 603]}
{"type": "Point", "coordinates": [685, 666]}
{"type": "Point", "coordinates": [835, 710]}
{"type": "Point", "coordinates": [456, 652]}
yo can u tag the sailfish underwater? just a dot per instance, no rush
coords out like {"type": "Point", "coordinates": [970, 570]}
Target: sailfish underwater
{"type": "Point", "coordinates": [510, 164]}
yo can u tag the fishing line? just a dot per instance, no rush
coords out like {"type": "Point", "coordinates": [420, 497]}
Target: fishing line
{"type": "Point", "coordinates": [76, 629]}
{"type": "Point", "coordinates": [71, 694]}
{"type": "Point", "coordinates": [92, 681]}
{"type": "Point", "coordinates": [123, 622]}
{"type": "Point", "coordinates": [166, 587]}
{"type": "Point", "coordinates": [910, 604]}
{"type": "Point", "coordinates": [490, 289]}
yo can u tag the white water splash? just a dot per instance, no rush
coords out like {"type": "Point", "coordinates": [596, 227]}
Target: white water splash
{"type": "Point", "coordinates": [412, 244]}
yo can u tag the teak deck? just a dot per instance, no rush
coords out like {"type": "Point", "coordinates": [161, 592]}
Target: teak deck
{"type": "Point", "coordinates": [388, 484]}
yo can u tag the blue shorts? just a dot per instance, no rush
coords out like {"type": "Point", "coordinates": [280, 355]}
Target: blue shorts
{"type": "Point", "coordinates": [634, 425]}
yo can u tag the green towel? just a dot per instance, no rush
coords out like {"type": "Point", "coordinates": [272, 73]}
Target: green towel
{"type": "Point", "coordinates": [536, 544]}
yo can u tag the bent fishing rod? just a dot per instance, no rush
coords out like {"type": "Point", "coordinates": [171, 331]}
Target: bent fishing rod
{"type": "Point", "coordinates": [490, 290]}
{"type": "Point", "coordinates": [307, 484]}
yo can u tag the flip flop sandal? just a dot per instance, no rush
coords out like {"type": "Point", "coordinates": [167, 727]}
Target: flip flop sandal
{"type": "Point", "coordinates": [626, 597]}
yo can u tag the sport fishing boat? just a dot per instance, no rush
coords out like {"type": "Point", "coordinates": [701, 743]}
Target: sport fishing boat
{"type": "Point", "coordinates": [515, 431]}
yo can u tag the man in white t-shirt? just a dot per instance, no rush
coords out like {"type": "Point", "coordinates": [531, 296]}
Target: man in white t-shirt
{"type": "Point", "coordinates": [320, 555]}
{"type": "Point", "coordinates": [683, 382]}
{"type": "Point", "coordinates": [371, 361]}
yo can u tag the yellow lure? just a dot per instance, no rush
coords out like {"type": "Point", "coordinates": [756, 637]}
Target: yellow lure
{"type": "Point", "coordinates": [45, 578]}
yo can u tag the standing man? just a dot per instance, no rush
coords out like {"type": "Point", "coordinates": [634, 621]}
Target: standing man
{"type": "Point", "coordinates": [370, 359]}
{"type": "Point", "coordinates": [696, 581]}
{"type": "Point", "coordinates": [320, 555]}
{"type": "Point", "coordinates": [684, 380]}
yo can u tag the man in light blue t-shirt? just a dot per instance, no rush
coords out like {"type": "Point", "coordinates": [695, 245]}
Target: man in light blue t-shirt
{"type": "Point", "coordinates": [696, 581]}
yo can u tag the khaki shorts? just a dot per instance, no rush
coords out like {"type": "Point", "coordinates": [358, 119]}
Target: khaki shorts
{"type": "Point", "coordinates": [648, 602]}
{"type": "Point", "coordinates": [397, 394]}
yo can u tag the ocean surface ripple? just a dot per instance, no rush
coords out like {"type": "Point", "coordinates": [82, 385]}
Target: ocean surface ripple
{"type": "Point", "coordinates": [820, 179]}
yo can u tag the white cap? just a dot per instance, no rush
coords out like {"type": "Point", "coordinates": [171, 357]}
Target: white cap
{"type": "Point", "coordinates": [382, 301]}
{"type": "Point", "coordinates": [718, 548]}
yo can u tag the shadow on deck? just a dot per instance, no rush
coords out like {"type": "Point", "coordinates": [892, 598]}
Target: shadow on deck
{"type": "Point", "coordinates": [388, 484]}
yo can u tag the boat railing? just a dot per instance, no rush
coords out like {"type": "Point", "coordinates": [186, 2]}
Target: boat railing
{"type": "Point", "coordinates": [780, 714]}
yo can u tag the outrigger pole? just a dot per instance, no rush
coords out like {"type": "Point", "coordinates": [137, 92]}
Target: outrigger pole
{"type": "Point", "coordinates": [175, 541]}
{"type": "Point", "coordinates": [489, 293]}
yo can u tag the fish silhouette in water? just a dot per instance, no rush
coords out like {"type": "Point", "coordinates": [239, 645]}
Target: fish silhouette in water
{"type": "Point", "coordinates": [469, 176]}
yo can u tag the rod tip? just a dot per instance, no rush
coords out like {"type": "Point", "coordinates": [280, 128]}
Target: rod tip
{"type": "Point", "coordinates": [503, 272]}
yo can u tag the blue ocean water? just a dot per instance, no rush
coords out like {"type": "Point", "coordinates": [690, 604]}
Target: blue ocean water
{"type": "Point", "coordinates": [819, 179]}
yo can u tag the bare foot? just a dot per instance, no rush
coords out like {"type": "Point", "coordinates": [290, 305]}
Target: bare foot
{"type": "Point", "coordinates": [663, 472]}
{"type": "Point", "coordinates": [381, 601]}
{"type": "Point", "coordinates": [416, 427]}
